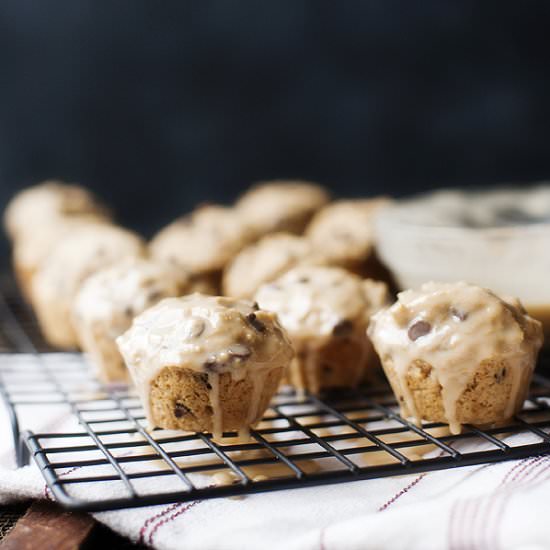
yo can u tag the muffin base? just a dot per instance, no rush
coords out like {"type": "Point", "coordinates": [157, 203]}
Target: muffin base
{"type": "Point", "coordinates": [185, 399]}
{"type": "Point", "coordinates": [104, 355]}
{"type": "Point", "coordinates": [486, 399]}
{"type": "Point", "coordinates": [340, 363]}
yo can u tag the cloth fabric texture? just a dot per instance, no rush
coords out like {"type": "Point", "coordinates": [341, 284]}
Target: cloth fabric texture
{"type": "Point", "coordinates": [499, 506]}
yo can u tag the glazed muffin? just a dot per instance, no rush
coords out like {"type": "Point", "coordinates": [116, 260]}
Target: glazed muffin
{"type": "Point", "coordinates": [32, 250]}
{"type": "Point", "coordinates": [202, 243]}
{"type": "Point", "coordinates": [457, 353]}
{"type": "Point", "coordinates": [43, 204]}
{"type": "Point", "coordinates": [281, 205]}
{"type": "Point", "coordinates": [325, 311]}
{"type": "Point", "coordinates": [263, 262]}
{"type": "Point", "coordinates": [205, 363]}
{"type": "Point", "coordinates": [343, 233]}
{"type": "Point", "coordinates": [56, 283]}
{"type": "Point", "coordinates": [108, 301]}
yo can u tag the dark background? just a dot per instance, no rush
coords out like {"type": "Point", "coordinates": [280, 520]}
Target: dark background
{"type": "Point", "coordinates": [158, 105]}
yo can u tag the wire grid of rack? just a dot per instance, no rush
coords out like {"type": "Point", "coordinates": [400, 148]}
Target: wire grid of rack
{"type": "Point", "coordinates": [108, 460]}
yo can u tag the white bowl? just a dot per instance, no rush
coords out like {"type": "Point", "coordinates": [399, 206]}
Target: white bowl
{"type": "Point", "coordinates": [498, 239]}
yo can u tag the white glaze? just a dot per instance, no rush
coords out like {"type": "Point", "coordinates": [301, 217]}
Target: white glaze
{"type": "Point", "coordinates": [46, 203]}
{"type": "Point", "coordinates": [108, 301]}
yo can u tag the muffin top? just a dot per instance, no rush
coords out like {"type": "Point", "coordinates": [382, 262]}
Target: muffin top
{"type": "Point", "coordinates": [454, 327]}
{"type": "Point", "coordinates": [211, 334]}
{"type": "Point", "coordinates": [343, 231]}
{"type": "Point", "coordinates": [281, 205]}
{"type": "Point", "coordinates": [315, 302]}
{"type": "Point", "coordinates": [86, 250]}
{"type": "Point", "coordinates": [31, 252]}
{"type": "Point", "coordinates": [203, 241]}
{"type": "Point", "coordinates": [454, 319]}
{"type": "Point", "coordinates": [262, 262]}
{"type": "Point", "coordinates": [42, 204]}
{"type": "Point", "coordinates": [118, 293]}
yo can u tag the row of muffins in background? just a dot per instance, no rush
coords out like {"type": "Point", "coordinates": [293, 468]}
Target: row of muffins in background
{"type": "Point", "coordinates": [212, 363]}
{"type": "Point", "coordinates": [87, 279]}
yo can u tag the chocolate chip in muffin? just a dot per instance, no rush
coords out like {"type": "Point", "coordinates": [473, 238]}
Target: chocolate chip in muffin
{"type": "Point", "coordinates": [342, 328]}
{"type": "Point", "coordinates": [500, 376]}
{"type": "Point", "coordinates": [255, 322]}
{"type": "Point", "coordinates": [180, 410]}
{"type": "Point", "coordinates": [418, 329]}
{"type": "Point", "coordinates": [303, 280]}
{"type": "Point", "coordinates": [129, 312]}
{"type": "Point", "coordinates": [195, 328]}
{"type": "Point", "coordinates": [211, 365]}
{"type": "Point", "coordinates": [154, 295]}
{"type": "Point", "coordinates": [239, 351]}
{"type": "Point", "coordinates": [458, 314]}
{"type": "Point", "coordinates": [255, 306]}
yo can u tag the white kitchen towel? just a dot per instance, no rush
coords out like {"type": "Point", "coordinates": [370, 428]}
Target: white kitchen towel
{"type": "Point", "coordinates": [501, 506]}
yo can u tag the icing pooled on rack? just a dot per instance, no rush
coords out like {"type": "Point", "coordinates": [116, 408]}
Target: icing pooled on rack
{"type": "Point", "coordinates": [454, 327]}
{"type": "Point", "coordinates": [209, 335]}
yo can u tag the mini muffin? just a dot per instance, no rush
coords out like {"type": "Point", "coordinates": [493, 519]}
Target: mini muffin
{"type": "Point", "coordinates": [263, 262]}
{"type": "Point", "coordinates": [205, 363]}
{"type": "Point", "coordinates": [457, 353]}
{"type": "Point", "coordinates": [343, 232]}
{"type": "Point", "coordinates": [325, 311]}
{"type": "Point", "coordinates": [56, 283]}
{"type": "Point", "coordinates": [32, 250]}
{"type": "Point", "coordinates": [108, 301]}
{"type": "Point", "coordinates": [202, 243]}
{"type": "Point", "coordinates": [34, 208]}
{"type": "Point", "coordinates": [281, 205]}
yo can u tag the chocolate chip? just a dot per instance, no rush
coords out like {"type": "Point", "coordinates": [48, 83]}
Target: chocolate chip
{"type": "Point", "coordinates": [418, 329]}
{"type": "Point", "coordinates": [195, 328]}
{"type": "Point", "coordinates": [458, 314]}
{"type": "Point", "coordinates": [211, 364]}
{"type": "Point", "coordinates": [154, 296]}
{"type": "Point", "coordinates": [203, 377]}
{"type": "Point", "coordinates": [255, 306]}
{"type": "Point", "coordinates": [327, 369]}
{"type": "Point", "coordinates": [180, 410]}
{"type": "Point", "coordinates": [255, 322]}
{"type": "Point", "coordinates": [239, 351]}
{"type": "Point", "coordinates": [129, 312]}
{"type": "Point", "coordinates": [342, 328]}
{"type": "Point", "coordinates": [500, 376]}
{"type": "Point", "coordinates": [303, 280]}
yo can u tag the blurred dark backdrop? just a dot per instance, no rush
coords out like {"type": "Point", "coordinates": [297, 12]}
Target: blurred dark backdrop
{"type": "Point", "coordinates": [158, 105]}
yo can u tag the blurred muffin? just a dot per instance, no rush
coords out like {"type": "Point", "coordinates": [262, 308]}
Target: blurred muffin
{"type": "Point", "coordinates": [36, 207]}
{"type": "Point", "coordinates": [56, 283]}
{"type": "Point", "coordinates": [281, 205]}
{"type": "Point", "coordinates": [202, 243]}
{"type": "Point", "coordinates": [263, 262]}
{"type": "Point", "coordinates": [343, 233]}
{"type": "Point", "coordinates": [457, 353]}
{"type": "Point", "coordinates": [32, 250]}
{"type": "Point", "coordinates": [108, 301]}
{"type": "Point", "coordinates": [325, 311]}
{"type": "Point", "coordinates": [204, 363]}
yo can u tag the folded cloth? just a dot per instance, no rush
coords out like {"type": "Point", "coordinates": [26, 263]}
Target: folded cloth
{"type": "Point", "coordinates": [499, 506]}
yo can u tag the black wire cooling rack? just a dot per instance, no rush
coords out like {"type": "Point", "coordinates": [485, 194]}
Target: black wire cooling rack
{"type": "Point", "coordinates": [100, 456]}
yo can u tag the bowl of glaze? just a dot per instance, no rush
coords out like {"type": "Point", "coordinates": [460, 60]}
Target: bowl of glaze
{"type": "Point", "coordinates": [498, 239]}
